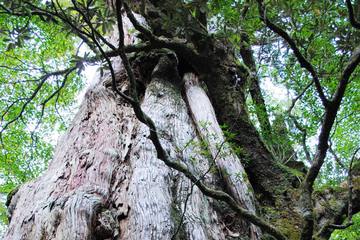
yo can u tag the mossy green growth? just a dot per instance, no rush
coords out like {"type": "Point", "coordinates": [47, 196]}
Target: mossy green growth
{"type": "Point", "coordinates": [175, 215]}
{"type": "Point", "coordinates": [327, 187]}
{"type": "Point", "coordinates": [291, 171]}
{"type": "Point", "coordinates": [288, 228]}
{"type": "Point", "coordinates": [356, 183]}
{"type": "Point", "coordinates": [286, 223]}
{"type": "Point", "coordinates": [285, 220]}
{"type": "Point", "coordinates": [356, 168]}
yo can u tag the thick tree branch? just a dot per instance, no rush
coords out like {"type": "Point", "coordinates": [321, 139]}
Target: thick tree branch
{"type": "Point", "coordinates": [352, 18]}
{"type": "Point", "coordinates": [180, 46]}
{"type": "Point", "coordinates": [328, 122]}
{"type": "Point", "coordinates": [304, 63]}
{"type": "Point", "coordinates": [254, 88]}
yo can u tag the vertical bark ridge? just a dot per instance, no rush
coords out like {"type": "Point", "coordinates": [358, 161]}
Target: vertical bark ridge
{"type": "Point", "coordinates": [158, 213]}
{"type": "Point", "coordinates": [227, 162]}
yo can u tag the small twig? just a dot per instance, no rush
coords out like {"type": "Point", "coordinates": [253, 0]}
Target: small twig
{"type": "Point", "coordinates": [336, 157]}
{"type": "Point", "coordinates": [293, 102]}
{"type": "Point", "coordinates": [192, 187]}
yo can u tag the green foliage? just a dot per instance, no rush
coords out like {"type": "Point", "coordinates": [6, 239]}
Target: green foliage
{"type": "Point", "coordinates": [351, 233]}
{"type": "Point", "coordinates": [38, 78]}
{"type": "Point", "coordinates": [322, 31]}
{"type": "Point", "coordinates": [34, 101]}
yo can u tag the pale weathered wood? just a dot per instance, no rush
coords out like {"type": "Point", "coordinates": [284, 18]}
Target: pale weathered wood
{"type": "Point", "coordinates": [225, 159]}
{"type": "Point", "coordinates": [105, 181]}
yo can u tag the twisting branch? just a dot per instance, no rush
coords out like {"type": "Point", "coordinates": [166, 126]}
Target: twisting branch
{"type": "Point", "coordinates": [213, 161]}
{"type": "Point", "coordinates": [55, 93]}
{"type": "Point", "coordinates": [180, 46]}
{"type": "Point", "coordinates": [327, 124]}
{"type": "Point", "coordinates": [27, 14]}
{"type": "Point", "coordinates": [336, 157]}
{"type": "Point", "coordinates": [126, 63]}
{"type": "Point", "coordinates": [352, 18]}
{"type": "Point", "coordinates": [303, 131]}
{"type": "Point", "coordinates": [304, 63]}
{"type": "Point", "coordinates": [93, 30]}
{"type": "Point", "coordinates": [43, 79]}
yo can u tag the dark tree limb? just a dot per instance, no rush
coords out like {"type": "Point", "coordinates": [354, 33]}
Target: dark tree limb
{"type": "Point", "coordinates": [304, 63]}
{"type": "Point", "coordinates": [254, 86]}
{"type": "Point", "coordinates": [353, 21]}
{"type": "Point", "coordinates": [293, 102]}
{"type": "Point", "coordinates": [29, 99]}
{"type": "Point", "coordinates": [328, 122]}
{"type": "Point", "coordinates": [180, 46]}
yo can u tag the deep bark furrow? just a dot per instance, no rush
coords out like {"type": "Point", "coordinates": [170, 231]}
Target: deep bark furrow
{"type": "Point", "coordinates": [157, 215]}
{"type": "Point", "coordinates": [224, 158]}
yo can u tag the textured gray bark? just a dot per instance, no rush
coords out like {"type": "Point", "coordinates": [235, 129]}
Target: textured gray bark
{"type": "Point", "coordinates": [105, 181]}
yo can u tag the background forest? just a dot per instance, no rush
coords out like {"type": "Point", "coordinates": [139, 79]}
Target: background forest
{"type": "Point", "coordinates": [44, 67]}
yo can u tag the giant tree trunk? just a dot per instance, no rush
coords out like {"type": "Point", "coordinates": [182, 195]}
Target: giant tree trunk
{"type": "Point", "coordinates": [105, 181]}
